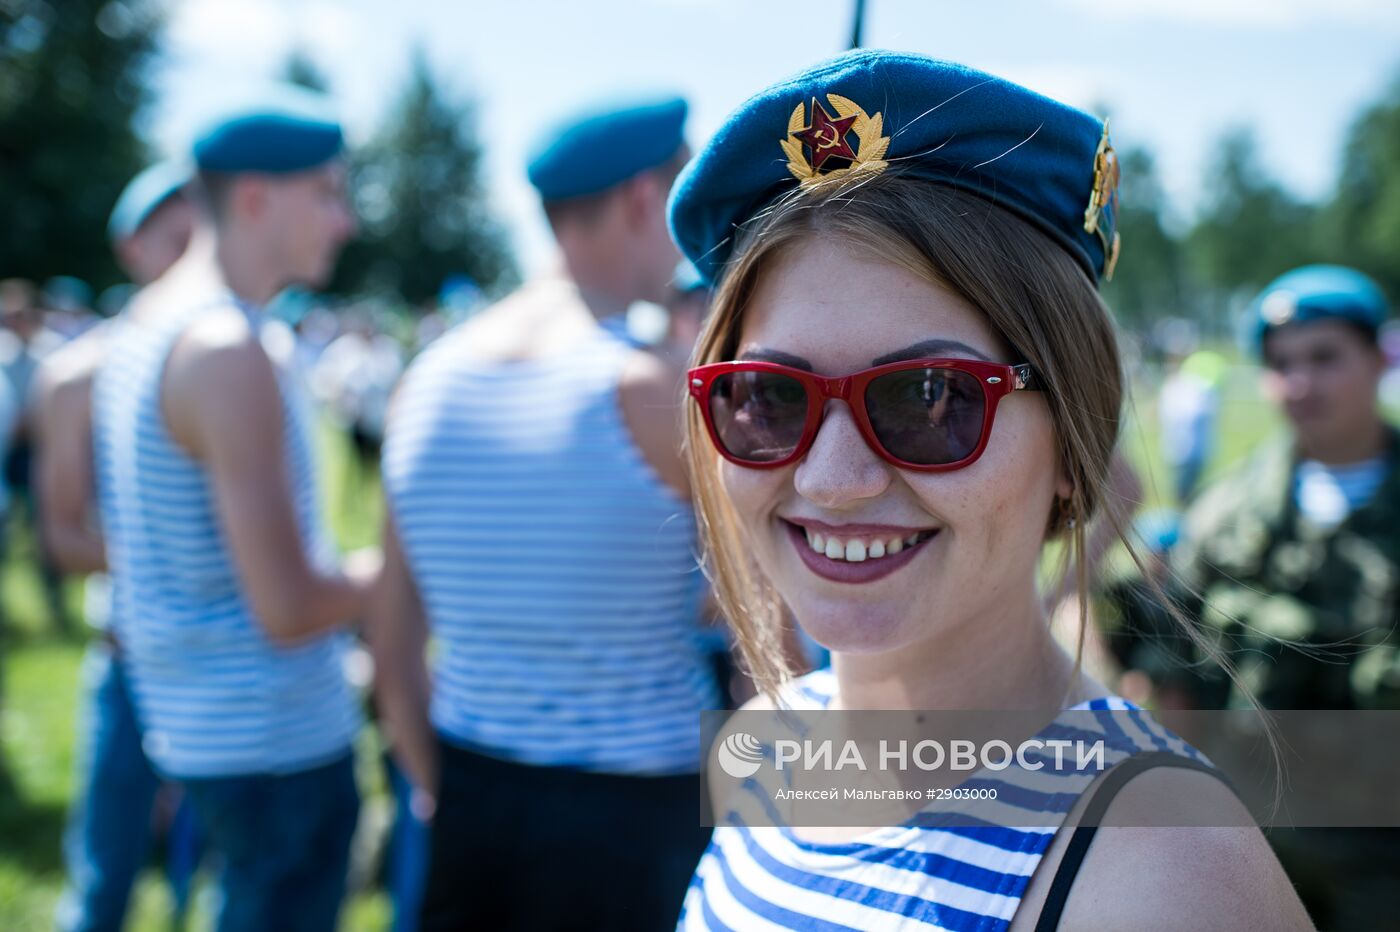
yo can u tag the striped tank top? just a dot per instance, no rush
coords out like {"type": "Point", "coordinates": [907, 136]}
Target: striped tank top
{"type": "Point", "coordinates": [757, 878]}
{"type": "Point", "coordinates": [556, 569]}
{"type": "Point", "coordinates": [215, 696]}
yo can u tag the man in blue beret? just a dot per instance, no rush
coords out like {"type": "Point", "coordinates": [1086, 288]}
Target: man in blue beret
{"type": "Point", "coordinates": [232, 605]}
{"type": "Point", "coordinates": [1299, 552]}
{"type": "Point", "coordinates": [152, 221]}
{"type": "Point", "coordinates": [109, 826]}
{"type": "Point", "coordinates": [540, 526]}
{"type": "Point", "coordinates": [686, 306]}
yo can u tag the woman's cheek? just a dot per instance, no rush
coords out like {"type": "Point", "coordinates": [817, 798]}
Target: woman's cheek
{"type": "Point", "coordinates": [753, 494]}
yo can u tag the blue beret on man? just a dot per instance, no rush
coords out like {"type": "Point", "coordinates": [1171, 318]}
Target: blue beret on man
{"type": "Point", "coordinates": [144, 195]}
{"type": "Point", "coordinates": [870, 111]}
{"type": "Point", "coordinates": [287, 129]}
{"type": "Point", "coordinates": [604, 145]}
{"type": "Point", "coordinates": [1159, 529]}
{"type": "Point", "coordinates": [687, 278]}
{"type": "Point", "coordinates": [1317, 292]}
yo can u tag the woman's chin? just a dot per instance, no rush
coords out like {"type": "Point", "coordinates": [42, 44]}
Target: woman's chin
{"type": "Point", "coordinates": [855, 628]}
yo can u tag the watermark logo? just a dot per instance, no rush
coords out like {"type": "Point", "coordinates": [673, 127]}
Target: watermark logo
{"type": "Point", "coordinates": [740, 755]}
{"type": "Point", "coordinates": [1027, 768]}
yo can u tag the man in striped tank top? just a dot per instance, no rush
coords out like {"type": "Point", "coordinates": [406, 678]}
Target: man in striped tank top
{"type": "Point", "coordinates": [540, 526]}
{"type": "Point", "coordinates": [232, 605]}
{"type": "Point", "coordinates": [106, 841]}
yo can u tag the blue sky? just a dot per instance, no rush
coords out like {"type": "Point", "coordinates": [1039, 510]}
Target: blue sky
{"type": "Point", "coordinates": [1174, 73]}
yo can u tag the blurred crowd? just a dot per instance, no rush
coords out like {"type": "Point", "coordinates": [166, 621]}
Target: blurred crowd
{"type": "Point", "coordinates": [516, 484]}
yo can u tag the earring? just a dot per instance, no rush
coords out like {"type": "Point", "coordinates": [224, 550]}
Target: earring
{"type": "Point", "coordinates": [1064, 513]}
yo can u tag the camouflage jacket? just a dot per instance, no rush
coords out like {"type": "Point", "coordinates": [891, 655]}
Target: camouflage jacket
{"type": "Point", "coordinates": [1308, 615]}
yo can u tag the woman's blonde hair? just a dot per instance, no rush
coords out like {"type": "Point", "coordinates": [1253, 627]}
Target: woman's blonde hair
{"type": "Point", "coordinates": [1031, 291]}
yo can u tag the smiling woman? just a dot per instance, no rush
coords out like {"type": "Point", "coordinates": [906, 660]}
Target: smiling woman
{"type": "Point", "coordinates": [907, 386]}
{"type": "Point", "coordinates": [845, 278]}
{"type": "Point", "coordinates": [988, 516]}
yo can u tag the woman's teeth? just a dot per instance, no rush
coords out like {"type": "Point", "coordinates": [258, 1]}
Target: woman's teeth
{"type": "Point", "coordinates": [856, 551]}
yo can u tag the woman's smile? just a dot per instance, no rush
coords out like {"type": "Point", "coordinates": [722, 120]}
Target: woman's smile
{"type": "Point", "coordinates": [855, 553]}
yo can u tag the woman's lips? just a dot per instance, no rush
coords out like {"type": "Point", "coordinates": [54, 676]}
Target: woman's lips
{"type": "Point", "coordinates": [847, 571]}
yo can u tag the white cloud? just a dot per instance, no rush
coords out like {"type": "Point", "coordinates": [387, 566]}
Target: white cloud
{"type": "Point", "coordinates": [329, 31]}
{"type": "Point", "coordinates": [250, 31]}
{"type": "Point", "coordinates": [1083, 86]}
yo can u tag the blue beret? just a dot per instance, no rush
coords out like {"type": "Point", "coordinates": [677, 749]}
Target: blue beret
{"type": "Point", "coordinates": [143, 194]}
{"type": "Point", "coordinates": [1159, 529]}
{"type": "Point", "coordinates": [289, 129]}
{"type": "Point", "coordinates": [867, 110]}
{"type": "Point", "coordinates": [687, 278]}
{"type": "Point", "coordinates": [602, 146]}
{"type": "Point", "coordinates": [1316, 292]}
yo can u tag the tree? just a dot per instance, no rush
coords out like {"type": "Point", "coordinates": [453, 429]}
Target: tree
{"type": "Point", "coordinates": [300, 70]}
{"type": "Point", "coordinates": [422, 203]}
{"type": "Point", "coordinates": [72, 82]}
{"type": "Point", "coordinates": [1149, 282]}
{"type": "Point", "coordinates": [1361, 225]}
{"type": "Point", "coordinates": [1251, 230]}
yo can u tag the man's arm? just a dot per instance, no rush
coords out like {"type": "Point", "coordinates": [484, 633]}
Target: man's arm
{"type": "Point", "coordinates": [221, 401]}
{"type": "Point", "coordinates": [396, 629]}
{"type": "Point", "coordinates": [651, 397]}
{"type": "Point", "coordinates": [64, 460]}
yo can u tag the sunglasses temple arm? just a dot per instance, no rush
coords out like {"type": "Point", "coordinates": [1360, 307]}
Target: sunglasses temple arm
{"type": "Point", "coordinates": [1025, 378]}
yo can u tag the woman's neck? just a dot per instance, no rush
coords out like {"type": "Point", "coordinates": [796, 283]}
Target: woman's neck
{"type": "Point", "coordinates": [1005, 658]}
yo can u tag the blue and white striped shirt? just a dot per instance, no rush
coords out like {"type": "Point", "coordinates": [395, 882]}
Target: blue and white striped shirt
{"type": "Point", "coordinates": [1327, 495]}
{"type": "Point", "coordinates": [757, 875]}
{"type": "Point", "coordinates": [557, 571]}
{"type": "Point", "coordinates": [215, 696]}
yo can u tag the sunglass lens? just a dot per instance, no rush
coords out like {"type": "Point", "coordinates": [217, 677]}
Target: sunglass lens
{"type": "Point", "coordinates": [759, 416]}
{"type": "Point", "coordinates": [927, 416]}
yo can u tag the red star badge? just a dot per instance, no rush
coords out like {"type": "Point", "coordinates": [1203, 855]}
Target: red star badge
{"type": "Point", "coordinates": [827, 137]}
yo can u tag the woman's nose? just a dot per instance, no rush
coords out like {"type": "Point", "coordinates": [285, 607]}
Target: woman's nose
{"type": "Point", "coordinates": [840, 468]}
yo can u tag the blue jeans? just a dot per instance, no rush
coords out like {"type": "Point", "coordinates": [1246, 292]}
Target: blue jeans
{"type": "Point", "coordinates": [109, 826]}
{"type": "Point", "coordinates": [408, 854]}
{"type": "Point", "coordinates": [284, 844]}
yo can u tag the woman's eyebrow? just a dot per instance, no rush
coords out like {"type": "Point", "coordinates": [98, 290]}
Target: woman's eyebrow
{"type": "Point", "coordinates": [931, 348]}
{"type": "Point", "coordinates": [761, 354]}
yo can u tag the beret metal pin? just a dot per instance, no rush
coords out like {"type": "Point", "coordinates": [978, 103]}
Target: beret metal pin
{"type": "Point", "coordinates": [826, 137]}
{"type": "Point", "coordinates": [1105, 192]}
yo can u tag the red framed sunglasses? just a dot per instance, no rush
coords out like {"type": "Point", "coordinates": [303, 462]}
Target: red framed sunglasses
{"type": "Point", "coordinates": [931, 415]}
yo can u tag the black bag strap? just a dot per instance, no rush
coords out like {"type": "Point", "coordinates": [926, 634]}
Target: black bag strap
{"type": "Point", "coordinates": [1113, 781]}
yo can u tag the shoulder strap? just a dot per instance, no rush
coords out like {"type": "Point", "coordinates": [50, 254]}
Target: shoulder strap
{"type": "Point", "coordinates": [1073, 859]}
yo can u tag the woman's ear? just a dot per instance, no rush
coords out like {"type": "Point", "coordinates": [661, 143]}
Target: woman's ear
{"type": "Point", "coordinates": [1064, 483]}
{"type": "Point", "coordinates": [1062, 516]}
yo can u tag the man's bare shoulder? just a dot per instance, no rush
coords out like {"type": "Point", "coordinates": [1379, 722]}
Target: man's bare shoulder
{"type": "Point", "coordinates": [70, 369]}
{"type": "Point", "coordinates": [218, 376]}
{"type": "Point", "coordinates": [538, 319]}
{"type": "Point", "coordinates": [654, 376]}
{"type": "Point", "coordinates": [218, 335]}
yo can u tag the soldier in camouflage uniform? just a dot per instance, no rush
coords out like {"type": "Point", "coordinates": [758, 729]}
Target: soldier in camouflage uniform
{"type": "Point", "coordinates": [1293, 564]}
{"type": "Point", "coordinates": [1307, 612]}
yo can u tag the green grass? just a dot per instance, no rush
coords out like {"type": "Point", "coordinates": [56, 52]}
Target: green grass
{"type": "Point", "coordinates": [1244, 420]}
{"type": "Point", "coordinates": [39, 697]}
